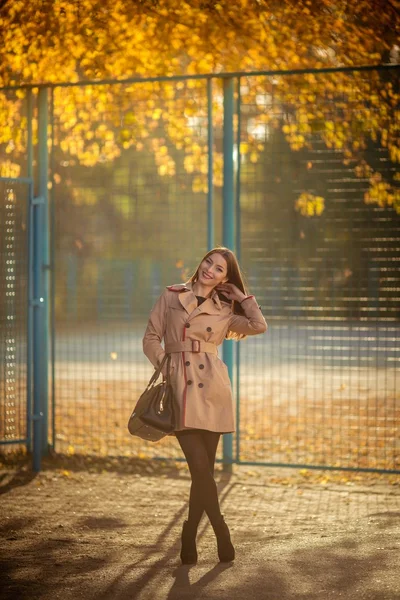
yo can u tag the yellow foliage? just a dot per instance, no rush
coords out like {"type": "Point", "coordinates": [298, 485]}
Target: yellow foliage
{"type": "Point", "coordinates": [309, 205]}
{"type": "Point", "coordinates": [253, 157]}
{"type": "Point", "coordinates": [198, 184]}
{"type": "Point", "coordinates": [9, 169]}
{"type": "Point", "coordinates": [382, 193]}
{"type": "Point", "coordinates": [114, 39]}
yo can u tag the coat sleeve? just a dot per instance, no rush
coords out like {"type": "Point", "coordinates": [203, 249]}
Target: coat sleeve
{"type": "Point", "coordinates": [252, 322]}
{"type": "Point", "coordinates": [155, 332]}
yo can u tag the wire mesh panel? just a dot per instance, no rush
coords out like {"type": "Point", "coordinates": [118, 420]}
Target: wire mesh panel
{"type": "Point", "coordinates": [320, 244]}
{"type": "Point", "coordinates": [130, 210]}
{"type": "Point", "coordinates": [319, 202]}
{"type": "Point", "coordinates": [13, 267]}
{"type": "Point", "coordinates": [13, 312]}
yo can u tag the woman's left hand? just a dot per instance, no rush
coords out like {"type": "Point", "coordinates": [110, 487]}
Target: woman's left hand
{"type": "Point", "coordinates": [231, 291]}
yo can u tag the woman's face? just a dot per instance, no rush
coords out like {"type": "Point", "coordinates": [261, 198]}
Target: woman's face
{"type": "Point", "coordinates": [213, 270]}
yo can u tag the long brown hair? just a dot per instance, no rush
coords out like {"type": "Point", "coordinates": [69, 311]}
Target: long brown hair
{"type": "Point", "coordinates": [235, 276]}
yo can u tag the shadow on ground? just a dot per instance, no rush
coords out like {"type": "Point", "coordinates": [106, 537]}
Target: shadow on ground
{"type": "Point", "coordinates": [95, 532]}
{"type": "Point", "coordinates": [331, 570]}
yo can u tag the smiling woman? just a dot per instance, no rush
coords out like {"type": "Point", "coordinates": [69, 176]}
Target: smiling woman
{"type": "Point", "coordinates": [192, 330]}
{"type": "Point", "coordinates": [220, 270]}
{"type": "Point", "coordinates": [211, 273]}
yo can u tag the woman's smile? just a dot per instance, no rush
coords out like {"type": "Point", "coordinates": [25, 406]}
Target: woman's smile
{"type": "Point", "coordinates": [207, 276]}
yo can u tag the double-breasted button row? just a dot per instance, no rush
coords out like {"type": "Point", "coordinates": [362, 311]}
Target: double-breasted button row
{"type": "Point", "coordinates": [187, 364]}
{"type": "Point", "coordinates": [187, 325]}
{"type": "Point", "coordinates": [189, 382]}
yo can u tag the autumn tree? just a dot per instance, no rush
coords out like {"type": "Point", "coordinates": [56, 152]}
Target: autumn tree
{"type": "Point", "coordinates": [61, 41]}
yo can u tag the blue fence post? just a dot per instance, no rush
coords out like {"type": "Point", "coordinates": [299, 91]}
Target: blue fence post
{"type": "Point", "coordinates": [29, 357]}
{"type": "Point", "coordinates": [210, 142]}
{"type": "Point", "coordinates": [239, 257]}
{"type": "Point", "coordinates": [52, 289]}
{"type": "Point", "coordinates": [228, 235]}
{"type": "Point", "coordinates": [40, 289]}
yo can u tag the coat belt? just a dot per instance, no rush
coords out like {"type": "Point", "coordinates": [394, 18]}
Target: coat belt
{"type": "Point", "coordinates": [191, 346]}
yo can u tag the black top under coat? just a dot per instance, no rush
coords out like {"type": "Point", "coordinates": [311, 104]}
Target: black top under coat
{"type": "Point", "coordinates": [200, 300]}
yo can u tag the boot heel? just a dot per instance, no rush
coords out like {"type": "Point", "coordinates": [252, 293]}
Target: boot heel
{"type": "Point", "coordinates": [226, 550]}
{"type": "Point", "coordinates": [188, 540]}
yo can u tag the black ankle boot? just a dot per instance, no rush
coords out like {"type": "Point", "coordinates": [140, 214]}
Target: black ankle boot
{"type": "Point", "coordinates": [188, 550]}
{"type": "Point", "coordinates": [226, 551]}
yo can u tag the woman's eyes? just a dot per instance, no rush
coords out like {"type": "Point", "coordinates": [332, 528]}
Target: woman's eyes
{"type": "Point", "coordinates": [210, 261]}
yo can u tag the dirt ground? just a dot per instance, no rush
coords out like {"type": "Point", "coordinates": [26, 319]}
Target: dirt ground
{"type": "Point", "coordinates": [109, 529]}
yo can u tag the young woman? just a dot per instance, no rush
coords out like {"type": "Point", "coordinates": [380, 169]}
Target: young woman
{"type": "Point", "coordinates": [194, 318]}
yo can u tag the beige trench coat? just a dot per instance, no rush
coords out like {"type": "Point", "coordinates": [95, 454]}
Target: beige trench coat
{"type": "Point", "coordinates": [200, 379]}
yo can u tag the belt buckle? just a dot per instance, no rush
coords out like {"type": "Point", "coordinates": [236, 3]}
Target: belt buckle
{"type": "Point", "coordinates": [195, 346]}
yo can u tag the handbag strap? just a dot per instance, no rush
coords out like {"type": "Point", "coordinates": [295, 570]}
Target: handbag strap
{"type": "Point", "coordinates": [156, 374]}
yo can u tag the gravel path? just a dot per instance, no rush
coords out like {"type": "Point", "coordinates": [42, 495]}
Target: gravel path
{"type": "Point", "coordinates": [111, 531]}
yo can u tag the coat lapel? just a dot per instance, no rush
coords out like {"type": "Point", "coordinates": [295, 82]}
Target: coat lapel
{"type": "Point", "coordinates": [188, 301]}
{"type": "Point", "coordinates": [187, 298]}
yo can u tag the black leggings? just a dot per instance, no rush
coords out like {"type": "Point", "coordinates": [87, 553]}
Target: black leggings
{"type": "Point", "coordinates": [200, 447]}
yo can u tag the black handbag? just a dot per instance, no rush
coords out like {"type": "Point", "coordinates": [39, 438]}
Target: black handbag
{"type": "Point", "coordinates": [154, 414]}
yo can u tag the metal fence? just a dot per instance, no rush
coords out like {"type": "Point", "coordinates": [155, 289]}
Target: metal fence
{"type": "Point", "coordinates": [148, 175]}
{"type": "Point", "coordinates": [14, 406]}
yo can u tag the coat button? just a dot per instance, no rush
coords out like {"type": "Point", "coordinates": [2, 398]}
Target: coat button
{"type": "Point", "coordinates": [187, 325]}
{"type": "Point", "coordinates": [201, 384]}
{"type": "Point", "coordinates": [189, 382]}
{"type": "Point", "coordinates": [208, 328]}
{"type": "Point", "coordinates": [187, 363]}
{"type": "Point", "coordinates": [201, 366]}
